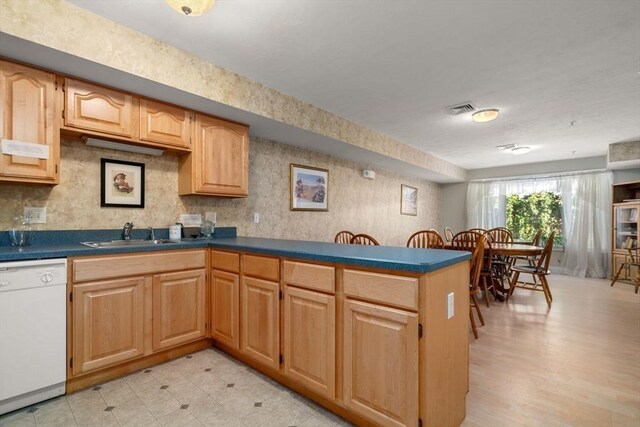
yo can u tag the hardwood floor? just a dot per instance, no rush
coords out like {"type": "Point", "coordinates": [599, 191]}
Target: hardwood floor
{"type": "Point", "coordinates": [577, 363]}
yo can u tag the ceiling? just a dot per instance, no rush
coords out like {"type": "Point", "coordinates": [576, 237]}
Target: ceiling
{"type": "Point", "coordinates": [393, 66]}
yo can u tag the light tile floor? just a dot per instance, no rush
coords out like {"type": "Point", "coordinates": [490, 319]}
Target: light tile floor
{"type": "Point", "coordinates": [206, 388]}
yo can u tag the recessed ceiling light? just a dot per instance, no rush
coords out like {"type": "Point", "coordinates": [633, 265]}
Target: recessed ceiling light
{"type": "Point", "coordinates": [483, 116]}
{"type": "Point", "coordinates": [572, 123]}
{"type": "Point", "coordinates": [520, 150]}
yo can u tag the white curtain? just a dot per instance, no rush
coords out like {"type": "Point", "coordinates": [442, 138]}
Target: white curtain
{"type": "Point", "coordinates": [586, 204]}
{"type": "Point", "coordinates": [486, 204]}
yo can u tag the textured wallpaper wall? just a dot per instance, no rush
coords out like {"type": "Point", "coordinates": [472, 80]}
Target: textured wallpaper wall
{"type": "Point", "coordinates": [355, 203]}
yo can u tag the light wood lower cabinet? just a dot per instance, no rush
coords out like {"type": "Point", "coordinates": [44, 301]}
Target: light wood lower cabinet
{"type": "Point", "coordinates": [260, 336]}
{"type": "Point", "coordinates": [124, 307]}
{"type": "Point", "coordinates": [225, 308]}
{"type": "Point", "coordinates": [381, 363]}
{"type": "Point", "coordinates": [178, 308]}
{"type": "Point", "coordinates": [108, 323]}
{"type": "Point", "coordinates": [310, 339]}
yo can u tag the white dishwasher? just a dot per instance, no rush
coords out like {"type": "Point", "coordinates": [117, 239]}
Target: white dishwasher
{"type": "Point", "coordinates": [33, 331]}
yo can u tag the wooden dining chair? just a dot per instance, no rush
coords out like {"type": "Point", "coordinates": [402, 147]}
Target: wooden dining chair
{"type": "Point", "coordinates": [448, 234]}
{"type": "Point", "coordinates": [500, 235]}
{"type": "Point", "coordinates": [501, 264]}
{"type": "Point", "coordinates": [364, 239]}
{"type": "Point", "coordinates": [539, 271]}
{"type": "Point", "coordinates": [467, 241]}
{"type": "Point", "coordinates": [343, 237]}
{"type": "Point", "coordinates": [631, 260]}
{"type": "Point", "coordinates": [426, 239]}
{"type": "Point", "coordinates": [474, 273]}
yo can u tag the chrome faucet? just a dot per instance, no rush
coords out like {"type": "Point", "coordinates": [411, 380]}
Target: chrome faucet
{"type": "Point", "coordinates": [126, 230]}
{"type": "Point", "coordinates": [152, 234]}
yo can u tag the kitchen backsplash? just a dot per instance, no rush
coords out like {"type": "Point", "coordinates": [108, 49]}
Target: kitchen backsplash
{"type": "Point", "coordinates": [355, 203]}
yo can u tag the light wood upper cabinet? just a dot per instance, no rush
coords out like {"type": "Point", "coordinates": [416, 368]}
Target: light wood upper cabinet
{"type": "Point", "coordinates": [164, 124]}
{"type": "Point", "coordinates": [218, 164]}
{"type": "Point", "coordinates": [108, 323]}
{"type": "Point", "coordinates": [309, 339]}
{"type": "Point", "coordinates": [27, 114]}
{"type": "Point", "coordinates": [179, 314]}
{"type": "Point", "coordinates": [380, 370]}
{"type": "Point", "coordinates": [99, 109]}
{"type": "Point", "coordinates": [225, 308]}
{"type": "Point", "coordinates": [261, 321]}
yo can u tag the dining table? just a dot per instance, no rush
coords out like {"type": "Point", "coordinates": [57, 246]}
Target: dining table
{"type": "Point", "coordinates": [505, 249]}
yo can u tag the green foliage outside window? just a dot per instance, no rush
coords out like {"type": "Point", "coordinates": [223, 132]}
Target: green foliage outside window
{"type": "Point", "coordinates": [532, 212]}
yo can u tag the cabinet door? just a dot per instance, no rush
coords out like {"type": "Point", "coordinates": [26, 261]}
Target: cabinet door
{"type": "Point", "coordinates": [108, 323]}
{"type": "Point", "coordinates": [178, 308]}
{"type": "Point", "coordinates": [260, 321]}
{"type": "Point", "coordinates": [164, 124]}
{"type": "Point", "coordinates": [225, 308]}
{"type": "Point", "coordinates": [309, 339]}
{"type": "Point", "coordinates": [221, 154]}
{"type": "Point", "coordinates": [97, 108]}
{"type": "Point", "coordinates": [27, 101]}
{"type": "Point", "coordinates": [381, 363]}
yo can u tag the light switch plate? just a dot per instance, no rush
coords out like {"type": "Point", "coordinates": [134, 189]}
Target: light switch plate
{"type": "Point", "coordinates": [256, 217]}
{"type": "Point", "coordinates": [35, 215]}
{"type": "Point", "coordinates": [450, 305]}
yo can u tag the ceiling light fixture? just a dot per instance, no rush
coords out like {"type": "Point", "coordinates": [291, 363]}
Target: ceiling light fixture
{"type": "Point", "coordinates": [520, 150]}
{"type": "Point", "coordinates": [487, 115]}
{"type": "Point", "coordinates": [191, 7]}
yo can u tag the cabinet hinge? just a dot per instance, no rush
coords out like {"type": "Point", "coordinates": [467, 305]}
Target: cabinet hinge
{"type": "Point", "coordinates": [70, 296]}
{"type": "Point", "coordinates": [419, 422]}
{"type": "Point", "coordinates": [63, 114]}
{"type": "Point", "coordinates": [56, 169]}
{"type": "Point", "coordinates": [71, 362]}
{"type": "Point", "coordinates": [280, 294]}
{"type": "Point", "coordinates": [56, 84]}
{"type": "Point", "coordinates": [419, 330]}
{"type": "Point", "coordinates": [281, 359]}
{"type": "Point", "coordinates": [206, 326]}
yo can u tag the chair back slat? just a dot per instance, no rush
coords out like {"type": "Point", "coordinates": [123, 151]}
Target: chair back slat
{"type": "Point", "coordinates": [466, 240]}
{"type": "Point", "coordinates": [448, 234]}
{"type": "Point", "coordinates": [500, 235]}
{"type": "Point", "coordinates": [476, 264]}
{"type": "Point", "coordinates": [364, 239]}
{"type": "Point", "coordinates": [545, 257]}
{"type": "Point", "coordinates": [536, 238]}
{"type": "Point", "coordinates": [343, 237]}
{"type": "Point", "coordinates": [425, 239]}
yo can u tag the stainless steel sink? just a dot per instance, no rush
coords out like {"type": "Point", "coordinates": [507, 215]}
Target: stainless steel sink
{"type": "Point", "coordinates": [121, 243]}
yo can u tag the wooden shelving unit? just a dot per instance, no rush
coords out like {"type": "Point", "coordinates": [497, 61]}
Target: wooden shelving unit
{"type": "Point", "coordinates": [625, 224]}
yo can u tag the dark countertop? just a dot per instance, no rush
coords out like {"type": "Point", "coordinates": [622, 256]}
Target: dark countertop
{"type": "Point", "coordinates": [389, 257]}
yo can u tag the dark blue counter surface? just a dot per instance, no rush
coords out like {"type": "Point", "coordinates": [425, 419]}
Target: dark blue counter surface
{"type": "Point", "coordinates": [389, 257]}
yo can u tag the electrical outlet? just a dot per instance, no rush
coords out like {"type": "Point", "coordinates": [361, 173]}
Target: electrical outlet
{"type": "Point", "coordinates": [35, 215]}
{"type": "Point", "coordinates": [256, 217]}
{"type": "Point", "coordinates": [210, 216]}
{"type": "Point", "coordinates": [450, 305]}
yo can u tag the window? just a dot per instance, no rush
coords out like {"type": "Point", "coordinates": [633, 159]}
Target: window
{"type": "Point", "coordinates": [528, 213]}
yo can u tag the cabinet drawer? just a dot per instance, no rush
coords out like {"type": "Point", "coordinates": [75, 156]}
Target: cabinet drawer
{"type": "Point", "coordinates": [259, 266]}
{"type": "Point", "coordinates": [125, 265]}
{"type": "Point", "coordinates": [312, 276]}
{"type": "Point", "coordinates": [384, 288]}
{"type": "Point", "coordinates": [225, 261]}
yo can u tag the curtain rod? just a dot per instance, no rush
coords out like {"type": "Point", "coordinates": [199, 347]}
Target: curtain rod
{"type": "Point", "coordinates": [540, 176]}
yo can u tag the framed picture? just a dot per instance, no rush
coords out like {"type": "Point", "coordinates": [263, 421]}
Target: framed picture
{"type": "Point", "coordinates": [408, 200]}
{"type": "Point", "coordinates": [122, 184]}
{"type": "Point", "coordinates": [309, 188]}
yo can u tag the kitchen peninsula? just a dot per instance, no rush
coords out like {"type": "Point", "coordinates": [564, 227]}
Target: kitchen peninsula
{"type": "Point", "coordinates": [378, 335]}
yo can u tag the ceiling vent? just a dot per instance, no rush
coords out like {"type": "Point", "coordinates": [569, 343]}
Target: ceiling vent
{"type": "Point", "coordinates": [506, 147]}
{"type": "Point", "coordinates": [460, 108]}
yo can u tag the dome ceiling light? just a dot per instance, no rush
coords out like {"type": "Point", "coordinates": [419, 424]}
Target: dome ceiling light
{"type": "Point", "coordinates": [191, 7]}
{"type": "Point", "coordinates": [520, 150]}
{"type": "Point", "coordinates": [486, 115]}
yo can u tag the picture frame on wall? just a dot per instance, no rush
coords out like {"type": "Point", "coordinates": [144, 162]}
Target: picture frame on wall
{"type": "Point", "coordinates": [122, 184]}
{"type": "Point", "coordinates": [309, 188]}
{"type": "Point", "coordinates": [408, 200]}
